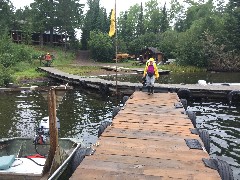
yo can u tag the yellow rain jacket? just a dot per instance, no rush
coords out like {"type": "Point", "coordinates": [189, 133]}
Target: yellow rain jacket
{"type": "Point", "coordinates": [155, 68]}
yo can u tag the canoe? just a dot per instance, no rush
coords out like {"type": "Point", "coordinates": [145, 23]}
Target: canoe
{"type": "Point", "coordinates": [21, 158]}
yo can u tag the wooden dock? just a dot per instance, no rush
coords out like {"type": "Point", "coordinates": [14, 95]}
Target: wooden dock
{"type": "Point", "coordinates": [147, 141]}
{"type": "Point", "coordinates": [222, 91]}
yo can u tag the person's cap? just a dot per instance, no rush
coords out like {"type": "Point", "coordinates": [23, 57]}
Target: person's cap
{"type": "Point", "coordinates": [151, 59]}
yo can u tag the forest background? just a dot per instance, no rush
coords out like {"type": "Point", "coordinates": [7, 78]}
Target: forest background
{"type": "Point", "coordinates": [203, 34]}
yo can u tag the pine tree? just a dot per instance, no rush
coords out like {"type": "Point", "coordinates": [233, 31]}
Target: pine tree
{"type": "Point", "coordinates": [140, 25]}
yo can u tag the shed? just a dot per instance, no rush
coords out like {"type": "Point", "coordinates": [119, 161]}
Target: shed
{"type": "Point", "coordinates": [151, 52]}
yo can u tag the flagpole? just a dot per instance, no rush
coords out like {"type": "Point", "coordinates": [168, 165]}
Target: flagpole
{"type": "Point", "coordinates": [116, 48]}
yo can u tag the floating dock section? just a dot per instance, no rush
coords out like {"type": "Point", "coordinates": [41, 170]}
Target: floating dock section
{"type": "Point", "coordinates": [148, 140]}
{"type": "Point", "coordinates": [224, 91]}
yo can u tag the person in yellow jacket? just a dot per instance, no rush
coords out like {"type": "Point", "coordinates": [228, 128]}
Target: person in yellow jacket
{"type": "Point", "coordinates": [150, 73]}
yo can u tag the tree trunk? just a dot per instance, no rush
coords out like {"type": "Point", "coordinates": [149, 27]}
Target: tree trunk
{"type": "Point", "coordinates": [41, 39]}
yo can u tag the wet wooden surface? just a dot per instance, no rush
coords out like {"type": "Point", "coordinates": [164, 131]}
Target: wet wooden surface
{"type": "Point", "coordinates": [95, 82]}
{"type": "Point", "coordinates": [146, 141]}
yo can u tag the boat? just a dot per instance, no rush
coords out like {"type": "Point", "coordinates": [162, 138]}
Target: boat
{"type": "Point", "coordinates": [45, 156]}
{"type": "Point", "coordinates": [21, 158]}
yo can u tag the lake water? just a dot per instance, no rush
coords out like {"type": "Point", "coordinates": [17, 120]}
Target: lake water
{"type": "Point", "coordinates": [187, 78]}
{"type": "Point", "coordinates": [81, 112]}
{"type": "Point", "coordinates": [223, 125]}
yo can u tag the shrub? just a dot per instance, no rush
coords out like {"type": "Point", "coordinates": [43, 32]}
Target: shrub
{"type": "Point", "coordinates": [11, 53]}
{"type": "Point", "coordinates": [5, 76]}
{"type": "Point", "coordinates": [101, 46]}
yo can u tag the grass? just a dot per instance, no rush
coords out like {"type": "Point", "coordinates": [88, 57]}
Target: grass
{"type": "Point", "coordinates": [24, 70]}
{"type": "Point", "coordinates": [84, 70]}
{"type": "Point", "coordinates": [177, 68]}
{"type": "Point", "coordinates": [31, 73]}
{"type": "Point", "coordinates": [78, 70]}
{"type": "Point", "coordinates": [63, 61]}
{"type": "Point", "coordinates": [172, 67]}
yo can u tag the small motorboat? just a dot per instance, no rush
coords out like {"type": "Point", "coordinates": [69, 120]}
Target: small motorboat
{"type": "Point", "coordinates": [21, 158]}
{"type": "Point", "coordinates": [45, 156]}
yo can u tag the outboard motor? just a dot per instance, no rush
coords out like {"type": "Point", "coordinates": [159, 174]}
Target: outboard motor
{"type": "Point", "coordinates": [42, 135]}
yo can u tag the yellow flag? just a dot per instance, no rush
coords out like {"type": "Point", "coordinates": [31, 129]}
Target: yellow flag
{"type": "Point", "coordinates": [112, 25]}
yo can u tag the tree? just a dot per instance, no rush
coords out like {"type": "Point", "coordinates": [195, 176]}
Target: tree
{"type": "Point", "coordinates": [168, 44]}
{"type": "Point", "coordinates": [189, 48]}
{"type": "Point", "coordinates": [140, 24]}
{"type": "Point", "coordinates": [101, 46]}
{"type": "Point", "coordinates": [219, 59]}
{"type": "Point", "coordinates": [56, 15]}
{"type": "Point", "coordinates": [164, 20]}
{"type": "Point", "coordinates": [196, 12]}
{"type": "Point", "coordinates": [23, 21]}
{"type": "Point", "coordinates": [6, 15]}
{"type": "Point", "coordinates": [176, 14]}
{"type": "Point", "coordinates": [147, 40]}
{"type": "Point", "coordinates": [128, 24]}
{"type": "Point", "coordinates": [68, 17]}
{"type": "Point", "coordinates": [40, 17]}
{"type": "Point", "coordinates": [95, 19]}
{"type": "Point", "coordinates": [124, 32]}
{"type": "Point", "coordinates": [152, 17]}
{"type": "Point", "coordinates": [232, 25]}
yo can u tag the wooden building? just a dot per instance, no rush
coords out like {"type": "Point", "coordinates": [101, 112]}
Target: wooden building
{"type": "Point", "coordinates": [58, 39]}
{"type": "Point", "coordinates": [151, 52]}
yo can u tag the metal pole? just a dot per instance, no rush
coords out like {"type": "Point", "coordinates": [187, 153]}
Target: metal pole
{"type": "Point", "coordinates": [116, 38]}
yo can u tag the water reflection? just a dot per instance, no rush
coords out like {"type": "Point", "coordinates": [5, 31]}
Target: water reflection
{"type": "Point", "coordinates": [223, 124]}
{"type": "Point", "coordinates": [80, 114]}
{"type": "Point", "coordinates": [187, 78]}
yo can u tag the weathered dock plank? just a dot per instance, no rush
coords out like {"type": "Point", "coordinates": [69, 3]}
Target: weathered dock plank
{"type": "Point", "coordinates": [147, 141]}
{"type": "Point", "coordinates": [127, 88]}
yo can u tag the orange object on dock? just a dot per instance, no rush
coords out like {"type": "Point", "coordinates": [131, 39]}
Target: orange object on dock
{"type": "Point", "coordinates": [147, 141]}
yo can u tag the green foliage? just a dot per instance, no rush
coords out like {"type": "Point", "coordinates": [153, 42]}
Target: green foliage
{"type": "Point", "coordinates": [178, 68]}
{"type": "Point", "coordinates": [190, 43]}
{"type": "Point", "coordinates": [21, 66]}
{"type": "Point", "coordinates": [11, 53]}
{"type": "Point", "coordinates": [95, 20]}
{"type": "Point", "coordinates": [101, 46]}
{"type": "Point", "coordinates": [146, 40]}
{"type": "Point", "coordinates": [168, 44]}
{"type": "Point", "coordinates": [164, 26]}
{"type": "Point", "coordinates": [5, 75]}
{"type": "Point", "coordinates": [129, 23]}
{"type": "Point", "coordinates": [79, 71]}
{"type": "Point", "coordinates": [189, 50]}
{"type": "Point", "coordinates": [152, 17]}
{"type": "Point", "coordinates": [6, 15]}
{"type": "Point", "coordinates": [141, 25]}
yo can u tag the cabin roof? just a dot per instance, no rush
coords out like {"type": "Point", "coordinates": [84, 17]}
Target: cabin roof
{"type": "Point", "coordinates": [153, 49]}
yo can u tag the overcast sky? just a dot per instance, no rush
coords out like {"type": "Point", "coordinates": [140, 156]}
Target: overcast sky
{"type": "Point", "coordinates": [122, 5]}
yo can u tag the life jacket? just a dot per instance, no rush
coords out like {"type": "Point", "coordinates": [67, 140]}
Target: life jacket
{"type": "Point", "coordinates": [48, 57]}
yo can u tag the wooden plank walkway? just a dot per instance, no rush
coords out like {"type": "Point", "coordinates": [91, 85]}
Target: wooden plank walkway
{"type": "Point", "coordinates": [127, 88]}
{"type": "Point", "coordinates": [146, 141]}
